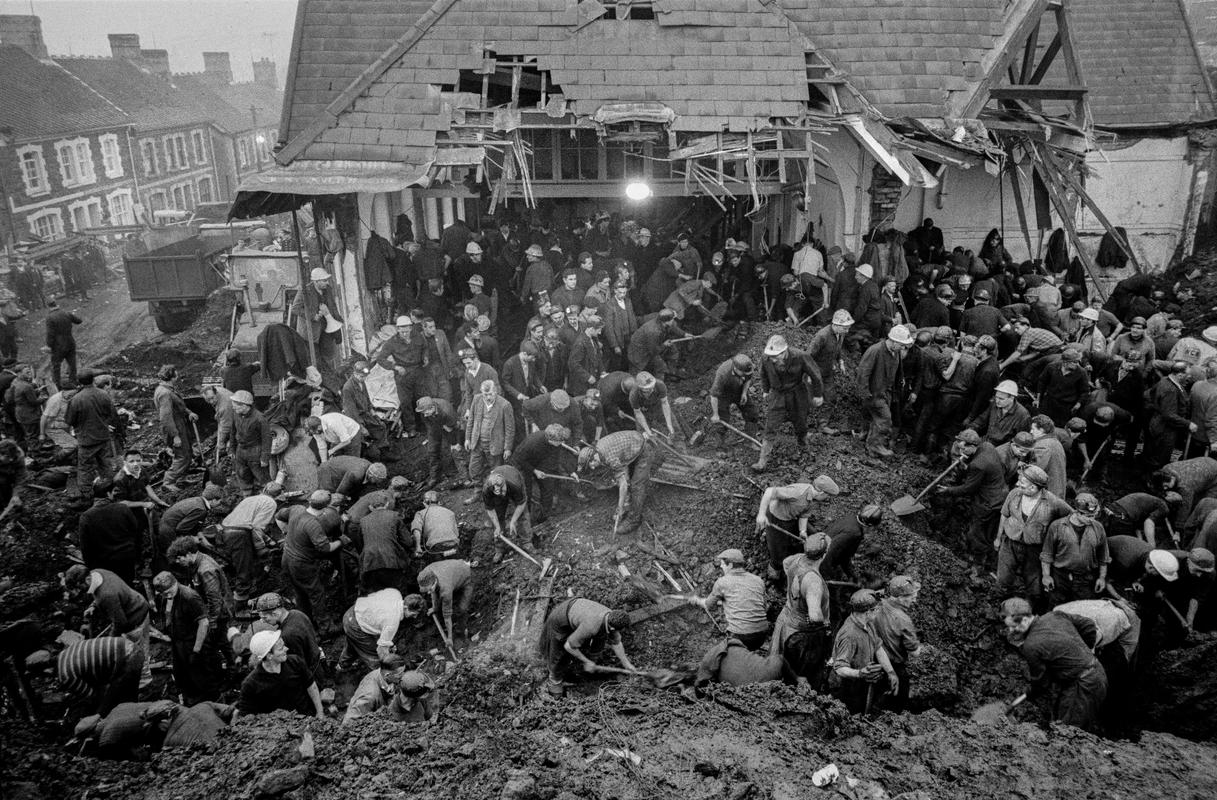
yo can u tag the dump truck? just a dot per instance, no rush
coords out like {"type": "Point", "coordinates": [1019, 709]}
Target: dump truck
{"type": "Point", "coordinates": [175, 280]}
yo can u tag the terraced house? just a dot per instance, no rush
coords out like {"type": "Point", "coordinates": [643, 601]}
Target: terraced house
{"type": "Point", "coordinates": [105, 145]}
{"type": "Point", "coordinates": [64, 166]}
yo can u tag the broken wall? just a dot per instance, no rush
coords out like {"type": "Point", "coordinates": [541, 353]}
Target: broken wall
{"type": "Point", "coordinates": [1144, 187]}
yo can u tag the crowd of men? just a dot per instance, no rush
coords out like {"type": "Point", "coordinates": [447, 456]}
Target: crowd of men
{"type": "Point", "coordinates": [1022, 389]}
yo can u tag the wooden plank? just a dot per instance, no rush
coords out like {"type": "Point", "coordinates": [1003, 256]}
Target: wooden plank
{"type": "Point", "coordinates": [1029, 56]}
{"type": "Point", "coordinates": [1071, 181]}
{"type": "Point", "coordinates": [1003, 55]}
{"type": "Point", "coordinates": [1069, 52]}
{"type": "Point", "coordinates": [1016, 187]}
{"type": "Point", "coordinates": [1045, 64]}
{"type": "Point", "coordinates": [1057, 197]}
{"type": "Point", "coordinates": [1037, 92]}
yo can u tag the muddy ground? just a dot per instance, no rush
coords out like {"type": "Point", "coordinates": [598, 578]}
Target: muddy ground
{"type": "Point", "coordinates": [623, 739]}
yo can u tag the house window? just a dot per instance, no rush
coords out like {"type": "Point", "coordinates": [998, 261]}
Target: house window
{"type": "Point", "coordinates": [200, 147]}
{"type": "Point", "coordinates": [111, 159]}
{"type": "Point", "coordinates": [183, 197]}
{"type": "Point", "coordinates": [243, 152]}
{"type": "Point", "coordinates": [206, 193]}
{"type": "Point", "coordinates": [47, 224]}
{"type": "Point", "coordinates": [147, 152]}
{"type": "Point", "coordinates": [121, 212]}
{"type": "Point", "coordinates": [170, 162]}
{"type": "Point", "coordinates": [179, 147]}
{"type": "Point", "coordinates": [75, 162]}
{"type": "Point", "coordinates": [33, 170]}
{"type": "Point", "coordinates": [85, 214]}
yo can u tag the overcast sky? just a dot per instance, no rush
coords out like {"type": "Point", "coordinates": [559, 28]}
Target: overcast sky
{"type": "Point", "coordinates": [248, 29]}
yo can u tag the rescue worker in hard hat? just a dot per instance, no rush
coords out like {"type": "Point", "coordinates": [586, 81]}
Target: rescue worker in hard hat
{"type": "Point", "coordinates": [792, 385]}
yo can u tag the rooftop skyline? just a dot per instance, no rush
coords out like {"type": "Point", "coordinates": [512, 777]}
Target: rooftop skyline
{"type": "Point", "coordinates": [247, 29]}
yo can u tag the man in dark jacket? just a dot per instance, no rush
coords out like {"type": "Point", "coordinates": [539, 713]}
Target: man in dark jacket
{"type": "Point", "coordinates": [984, 481]}
{"type": "Point", "coordinates": [792, 385]}
{"type": "Point", "coordinates": [357, 404]}
{"type": "Point", "coordinates": [61, 341]}
{"type": "Point", "coordinates": [90, 414]}
{"type": "Point", "coordinates": [935, 310]}
{"type": "Point", "coordinates": [251, 444]}
{"type": "Point", "coordinates": [1059, 649]}
{"type": "Point", "coordinates": [648, 348]}
{"type": "Point", "coordinates": [110, 534]}
{"type": "Point", "coordinates": [1169, 411]}
{"type": "Point", "coordinates": [585, 365]}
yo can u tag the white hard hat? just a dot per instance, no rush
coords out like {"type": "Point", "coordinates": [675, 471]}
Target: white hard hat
{"type": "Point", "coordinates": [318, 274]}
{"type": "Point", "coordinates": [865, 270]}
{"type": "Point", "coordinates": [1007, 387]}
{"type": "Point", "coordinates": [404, 322]}
{"type": "Point", "coordinates": [262, 643]}
{"type": "Point", "coordinates": [776, 346]}
{"type": "Point", "coordinates": [900, 335]}
{"type": "Point", "coordinates": [1091, 314]}
{"type": "Point", "coordinates": [473, 249]}
{"type": "Point", "coordinates": [842, 317]}
{"type": "Point", "coordinates": [1165, 563]}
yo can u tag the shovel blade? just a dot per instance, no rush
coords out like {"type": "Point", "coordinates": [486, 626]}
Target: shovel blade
{"type": "Point", "coordinates": [903, 506]}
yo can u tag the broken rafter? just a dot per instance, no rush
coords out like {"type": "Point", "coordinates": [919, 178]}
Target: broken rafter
{"type": "Point", "coordinates": [1056, 194]}
{"type": "Point", "coordinates": [1075, 185]}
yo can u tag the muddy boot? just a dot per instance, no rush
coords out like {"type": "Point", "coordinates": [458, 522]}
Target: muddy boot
{"type": "Point", "coordinates": [762, 463]}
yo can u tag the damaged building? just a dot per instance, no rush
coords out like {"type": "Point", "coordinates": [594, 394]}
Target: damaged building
{"type": "Point", "coordinates": [758, 117]}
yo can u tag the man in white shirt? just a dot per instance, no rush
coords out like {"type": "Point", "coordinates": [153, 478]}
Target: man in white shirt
{"type": "Point", "coordinates": [371, 625]}
{"type": "Point", "coordinates": [335, 433]}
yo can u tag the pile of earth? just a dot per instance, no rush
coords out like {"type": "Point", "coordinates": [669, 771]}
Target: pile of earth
{"type": "Point", "coordinates": [193, 351]}
{"type": "Point", "coordinates": [1199, 273]}
{"type": "Point", "coordinates": [629, 740]}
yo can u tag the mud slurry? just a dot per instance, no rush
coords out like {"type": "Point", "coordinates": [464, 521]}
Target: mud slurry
{"type": "Point", "coordinates": [497, 736]}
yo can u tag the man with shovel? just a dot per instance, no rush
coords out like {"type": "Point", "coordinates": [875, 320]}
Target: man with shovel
{"type": "Point", "coordinates": [730, 387]}
{"type": "Point", "coordinates": [649, 403]}
{"type": "Point", "coordinates": [743, 597]}
{"type": "Point", "coordinates": [631, 457]}
{"type": "Point", "coordinates": [504, 490]}
{"type": "Point", "coordinates": [576, 625]}
{"type": "Point", "coordinates": [984, 481]}
{"type": "Point", "coordinates": [1058, 649]}
{"type": "Point", "coordinates": [782, 518]}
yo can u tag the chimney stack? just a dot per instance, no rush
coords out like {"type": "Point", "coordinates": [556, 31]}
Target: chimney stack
{"type": "Point", "coordinates": [124, 45]}
{"type": "Point", "coordinates": [155, 61]}
{"type": "Point", "coordinates": [265, 73]}
{"type": "Point", "coordinates": [24, 31]}
{"type": "Point", "coordinates": [217, 66]}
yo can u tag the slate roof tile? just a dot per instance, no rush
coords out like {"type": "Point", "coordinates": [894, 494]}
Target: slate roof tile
{"type": "Point", "coordinates": [1137, 61]}
{"type": "Point", "coordinates": [39, 99]}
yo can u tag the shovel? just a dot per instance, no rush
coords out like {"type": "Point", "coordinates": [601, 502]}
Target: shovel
{"type": "Point", "coordinates": [1187, 445]}
{"type": "Point", "coordinates": [990, 713]}
{"type": "Point", "coordinates": [736, 430]}
{"type": "Point", "coordinates": [1097, 454]}
{"type": "Point", "coordinates": [903, 506]}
